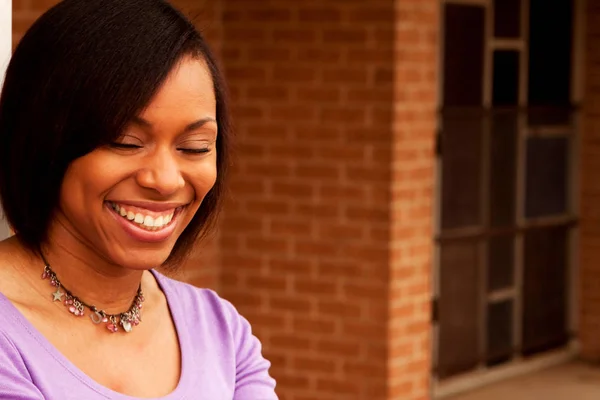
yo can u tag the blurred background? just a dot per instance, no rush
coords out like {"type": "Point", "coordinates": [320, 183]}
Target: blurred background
{"type": "Point", "coordinates": [414, 211]}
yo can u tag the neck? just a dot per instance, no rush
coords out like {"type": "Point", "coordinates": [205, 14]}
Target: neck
{"type": "Point", "coordinates": [87, 274]}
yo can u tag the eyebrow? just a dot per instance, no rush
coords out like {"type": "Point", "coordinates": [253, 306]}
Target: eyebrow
{"type": "Point", "coordinates": [190, 127]}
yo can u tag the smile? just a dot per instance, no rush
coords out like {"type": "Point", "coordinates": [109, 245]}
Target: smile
{"type": "Point", "coordinates": [145, 219]}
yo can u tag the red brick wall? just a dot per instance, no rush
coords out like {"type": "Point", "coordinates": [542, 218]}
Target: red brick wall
{"type": "Point", "coordinates": [329, 231]}
{"type": "Point", "coordinates": [305, 240]}
{"type": "Point", "coordinates": [589, 257]}
{"type": "Point", "coordinates": [415, 94]}
{"type": "Point", "coordinates": [205, 12]}
{"type": "Point", "coordinates": [25, 12]}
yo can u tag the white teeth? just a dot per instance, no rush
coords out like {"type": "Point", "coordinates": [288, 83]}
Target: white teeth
{"type": "Point", "coordinates": [148, 221]}
{"type": "Point", "coordinates": [145, 221]}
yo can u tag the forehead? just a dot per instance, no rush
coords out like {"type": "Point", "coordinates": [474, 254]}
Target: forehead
{"type": "Point", "coordinates": [188, 92]}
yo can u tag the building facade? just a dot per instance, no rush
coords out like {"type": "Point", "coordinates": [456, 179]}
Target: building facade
{"type": "Point", "coordinates": [414, 208]}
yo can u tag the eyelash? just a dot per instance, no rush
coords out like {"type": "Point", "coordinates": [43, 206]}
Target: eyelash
{"type": "Point", "coordinates": [130, 146]}
{"type": "Point", "coordinates": [125, 146]}
{"type": "Point", "coordinates": [195, 151]}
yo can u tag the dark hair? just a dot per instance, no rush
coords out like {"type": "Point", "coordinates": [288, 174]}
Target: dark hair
{"type": "Point", "coordinates": [76, 79]}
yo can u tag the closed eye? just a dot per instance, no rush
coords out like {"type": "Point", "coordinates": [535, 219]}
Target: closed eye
{"type": "Point", "coordinates": [194, 151]}
{"type": "Point", "coordinates": [125, 145]}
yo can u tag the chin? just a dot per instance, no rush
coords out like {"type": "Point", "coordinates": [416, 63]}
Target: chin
{"type": "Point", "coordinates": [142, 259]}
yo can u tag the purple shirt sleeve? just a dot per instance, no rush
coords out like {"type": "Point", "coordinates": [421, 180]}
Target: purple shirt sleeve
{"type": "Point", "coordinates": [253, 381]}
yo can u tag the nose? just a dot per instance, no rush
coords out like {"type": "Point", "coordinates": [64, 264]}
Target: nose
{"type": "Point", "coordinates": [161, 173]}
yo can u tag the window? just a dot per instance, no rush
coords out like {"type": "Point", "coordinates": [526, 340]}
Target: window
{"type": "Point", "coordinates": [506, 215]}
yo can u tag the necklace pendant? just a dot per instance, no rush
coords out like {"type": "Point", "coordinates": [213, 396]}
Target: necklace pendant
{"type": "Point", "coordinates": [126, 326]}
{"type": "Point", "coordinates": [57, 295]}
{"type": "Point", "coordinates": [96, 317]}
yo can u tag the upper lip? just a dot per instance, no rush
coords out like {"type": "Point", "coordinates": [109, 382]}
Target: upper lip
{"type": "Point", "coordinates": [149, 205]}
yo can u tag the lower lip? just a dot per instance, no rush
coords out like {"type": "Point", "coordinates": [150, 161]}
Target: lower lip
{"type": "Point", "coordinates": [142, 234]}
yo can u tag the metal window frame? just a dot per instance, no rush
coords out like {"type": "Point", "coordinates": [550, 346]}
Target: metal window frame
{"type": "Point", "coordinates": [517, 365]}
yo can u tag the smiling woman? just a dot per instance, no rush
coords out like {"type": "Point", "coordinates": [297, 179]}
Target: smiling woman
{"type": "Point", "coordinates": [114, 144]}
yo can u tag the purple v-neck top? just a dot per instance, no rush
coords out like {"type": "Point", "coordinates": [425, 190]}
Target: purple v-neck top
{"type": "Point", "coordinates": [221, 359]}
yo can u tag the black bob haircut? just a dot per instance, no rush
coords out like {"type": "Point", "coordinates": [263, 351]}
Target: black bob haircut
{"type": "Point", "coordinates": [77, 78]}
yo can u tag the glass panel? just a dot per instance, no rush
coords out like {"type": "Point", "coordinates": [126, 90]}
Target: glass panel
{"type": "Point", "coordinates": [544, 290]}
{"type": "Point", "coordinates": [463, 55]}
{"type": "Point", "coordinates": [506, 78]}
{"type": "Point", "coordinates": [499, 332]}
{"type": "Point", "coordinates": [461, 177]}
{"type": "Point", "coordinates": [507, 18]}
{"type": "Point", "coordinates": [547, 116]}
{"type": "Point", "coordinates": [500, 262]}
{"type": "Point", "coordinates": [458, 308]}
{"type": "Point", "coordinates": [546, 176]}
{"type": "Point", "coordinates": [503, 169]}
{"type": "Point", "coordinates": [550, 39]}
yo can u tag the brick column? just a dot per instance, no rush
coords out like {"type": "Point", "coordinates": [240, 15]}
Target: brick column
{"type": "Point", "coordinates": [589, 260]}
{"type": "Point", "coordinates": [411, 246]}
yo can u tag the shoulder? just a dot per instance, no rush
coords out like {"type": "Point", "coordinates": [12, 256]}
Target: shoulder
{"type": "Point", "coordinates": [195, 301]}
{"type": "Point", "coordinates": [210, 316]}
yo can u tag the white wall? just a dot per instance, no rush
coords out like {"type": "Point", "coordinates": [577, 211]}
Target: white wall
{"type": "Point", "coordinates": [5, 52]}
{"type": "Point", "coordinates": [5, 34]}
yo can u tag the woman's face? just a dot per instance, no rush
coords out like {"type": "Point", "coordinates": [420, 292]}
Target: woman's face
{"type": "Point", "coordinates": [130, 201]}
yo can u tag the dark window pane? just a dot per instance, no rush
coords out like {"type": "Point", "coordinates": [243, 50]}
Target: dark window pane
{"type": "Point", "coordinates": [507, 18]}
{"type": "Point", "coordinates": [463, 55]}
{"type": "Point", "coordinates": [546, 116]}
{"type": "Point", "coordinates": [458, 309]}
{"type": "Point", "coordinates": [461, 177]}
{"type": "Point", "coordinates": [500, 262]}
{"type": "Point", "coordinates": [506, 78]}
{"type": "Point", "coordinates": [499, 332]}
{"type": "Point", "coordinates": [503, 169]}
{"type": "Point", "coordinates": [546, 176]}
{"type": "Point", "coordinates": [544, 290]}
{"type": "Point", "coordinates": [550, 52]}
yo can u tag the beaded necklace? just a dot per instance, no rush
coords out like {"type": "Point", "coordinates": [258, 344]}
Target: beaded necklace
{"type": "Point", "coordinates": [127, 320]}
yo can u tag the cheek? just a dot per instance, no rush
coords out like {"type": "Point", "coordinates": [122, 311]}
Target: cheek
{"type": "Point", "coordinates": [204, 177]}
{"type": "Point", "coordinates": [83, 186]}
{"type": "Point", "coordinates": [79, 203]}
{"type": "Point", "coordinates": [75, 188]}
{"type": "Point", "coordinates": [83, 182]}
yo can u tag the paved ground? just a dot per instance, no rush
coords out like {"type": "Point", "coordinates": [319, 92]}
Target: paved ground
{"type": "Point", "coordinates": [573, 381]}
